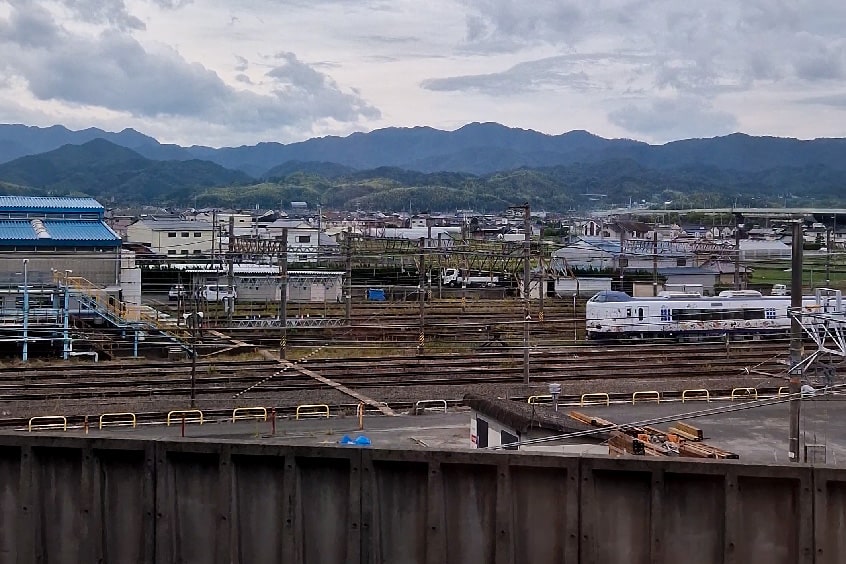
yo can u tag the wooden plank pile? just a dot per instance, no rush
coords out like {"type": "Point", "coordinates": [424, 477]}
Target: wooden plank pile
{"type": "Point", "coordinates": [681, 439]}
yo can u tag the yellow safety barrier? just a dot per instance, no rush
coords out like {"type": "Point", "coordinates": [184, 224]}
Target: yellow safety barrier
{"type": "Point", "coordinates": [700, 395]}
{"type": "Point", "coordinates": [424, 403]}
{"type": "Point", "coordinates": [783, 391]}
{"type": "Point", "coordinates": [185, 412]}
{"type": "Point", "coordinates": [653, 394]}
{"type": "Point", "coordinates": [744, 392]}
{"type": "Point", "coordinates": [242, 413]}
{"type": "Point", "coordinates": [595, 398]}
{"type": "Point", "coordinates": [534, 399]}
{"type": "Point", "coordinates": [62, 418]}
{"type": "Point", "coordinates": [313, 410]}
{"type": "Point", "coordinates": [124, 418]}
{"type": "Point", "coordinates": [361, 409]}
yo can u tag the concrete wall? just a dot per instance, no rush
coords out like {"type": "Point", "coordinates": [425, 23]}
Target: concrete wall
{"type": "Point", "coordinates": [95, 500]}
{"type": "Point", "coordinates": [101, 268]}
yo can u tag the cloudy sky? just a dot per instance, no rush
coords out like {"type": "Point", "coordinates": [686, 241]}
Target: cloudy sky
{"type": "Point", "coordinates": [230, 72]}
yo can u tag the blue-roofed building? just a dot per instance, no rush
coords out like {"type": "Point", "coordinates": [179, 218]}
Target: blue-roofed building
{"type": "Point", "coordinates": [58, 234]}
{"type": "Point", "coordinates": [15, 207]}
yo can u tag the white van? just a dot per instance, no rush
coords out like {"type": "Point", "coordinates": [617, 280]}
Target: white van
{"type": "Point", "coordinates": [779, 290]}
{"type": "Point", "coordinates": [218, 292]}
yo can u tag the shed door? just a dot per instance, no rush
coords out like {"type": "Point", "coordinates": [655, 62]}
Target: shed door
{"type": "Point", "coordinates": [481, 433]}
{"type": "Point", "coordinates": [318, 292]}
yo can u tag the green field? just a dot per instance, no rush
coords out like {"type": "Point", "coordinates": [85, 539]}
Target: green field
{"type": "Point", "coordinates": [813, 272]}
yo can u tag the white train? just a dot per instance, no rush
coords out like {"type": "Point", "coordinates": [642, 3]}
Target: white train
{"type": "Point", "coordinates": [673, 315]}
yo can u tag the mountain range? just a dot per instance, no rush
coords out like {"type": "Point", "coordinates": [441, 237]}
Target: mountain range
{"type": "Point", "coordinates": [476, 165]}
{"type": "Point", "coordinates": [477, 148]}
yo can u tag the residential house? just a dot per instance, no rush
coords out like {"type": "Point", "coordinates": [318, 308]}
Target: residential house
{"type": "Point", "coordinates": [688, 276]}
{"type": "Point", "coordinates": [174, 237]}
{"type": "Point", "coordinates": [435, 237]}
{"type": "Point", "coordinates": [602, 254]}
{"type": "Point", "coordinates": [755, 249]}
{"type": "Point", "coordinates": [303, 241]}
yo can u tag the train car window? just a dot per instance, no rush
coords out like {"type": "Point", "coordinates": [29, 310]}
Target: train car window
{"type": "Point", "coordinates": [770, 313]}
{"type": "Point", "coordinates": [640, 314]}
{"type": "Point", "coordinates": [628, 312]}
{"type": "Point", "coordinates": [750, 314]}
{"type": "Point", "coordinates": [665, 314]}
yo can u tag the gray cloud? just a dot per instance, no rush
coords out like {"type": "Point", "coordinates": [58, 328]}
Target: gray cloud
{"type": "Point", "coordinates": [112, 12]}
{"type": "Point", "coordinates": [504, 25]}
{"type": "Point", "coordinates": [171, 4]}
{"type": "Point", "coordinates": [693, 47]}
{"type": "Point", "coordinates": [114, 71]}
{"type": "Point", "coordinates": [390, 39]}
{"type": "Point", "coordinates": [833, 100]}
{"type": "Point", "coordinates": [674, 118]}
{"type": "Point", "coordinates": [548, 73]}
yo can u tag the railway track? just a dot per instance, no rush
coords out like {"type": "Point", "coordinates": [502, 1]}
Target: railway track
{"type": "Point", "coordinates": [221, 380]}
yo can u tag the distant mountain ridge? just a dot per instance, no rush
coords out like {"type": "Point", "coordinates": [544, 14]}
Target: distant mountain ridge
{"type": "Point", "coordinates": [104, 170]}
{"type": "Point", "coordinates": [477, 148]}
{"type": "Point", "coordinates": [119, 176]}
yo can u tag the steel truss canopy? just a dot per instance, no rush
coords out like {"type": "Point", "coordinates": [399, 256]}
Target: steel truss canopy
{"type": "Point", "coordinates": [825, 323]}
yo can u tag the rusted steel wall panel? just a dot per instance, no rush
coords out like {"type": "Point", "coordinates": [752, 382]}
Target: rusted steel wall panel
{"type": "Point", "coordinates": [669, 510]}
{"type": "Point", "coordinates": [829, 515]}
{"type": "Point", "coordinates": [432, 507]}
{"type": "Point", "coordinates": [89, 500]}
{"type": "Point", "coordinates": [10, 503]}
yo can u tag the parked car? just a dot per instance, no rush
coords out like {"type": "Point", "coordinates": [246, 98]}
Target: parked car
{"type": "Point", "coordinates": [218, 292]}
{"type": "Point", "coordinates": [177, 292]}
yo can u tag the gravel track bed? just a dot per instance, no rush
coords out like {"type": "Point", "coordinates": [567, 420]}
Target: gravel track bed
{"type": "Point", "coordinates": [408, 394]}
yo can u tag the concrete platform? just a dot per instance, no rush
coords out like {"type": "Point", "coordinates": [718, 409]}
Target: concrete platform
{"type": "Point", "coordinates": [451, 430]}
{"type": "Point", "coordinates": [758, 434]}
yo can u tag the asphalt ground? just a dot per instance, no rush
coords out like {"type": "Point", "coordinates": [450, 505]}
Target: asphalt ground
{"type": "Point", "coordinates": [435, 430]}
{"type": "Point", "coordinates": [756, 431]}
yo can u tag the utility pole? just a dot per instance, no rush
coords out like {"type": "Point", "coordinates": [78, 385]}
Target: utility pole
{"type": "Point", "coordinates": [193, 323]}
{"type": "Point", "coordinates": [283, 296]}
{"type": "Point", "coordinates": [795, 341]}
{"type": "Point", "coordinates": [464, 269]}
{"type": "Point", "coordinates": [25, 355]}
{"type": "Point", "coordinates": [654, 264]}
{"type": "Point", "coordinates": [214, 238]}
{"type": "Point", "coordinates": [542, 287]}
{"type": "Point", "coordinates": [421, 296]}
{"type": "Point", "coordinates": [622, 260]}
{"type": "Point", "coordinates": [194, 362]}
{"type": "Point", "coordinates": [737, 254]}
{"type": "Point", "coordinates": [828, 258]}
{"type": "Point", "coordinates": [66, 318]}
{"type": "Point", "coordinates": [348, 293]}
{"type": "Point", "coordinates": [231, 279]}
{"type": "Point", "coordinates": [527, 249]}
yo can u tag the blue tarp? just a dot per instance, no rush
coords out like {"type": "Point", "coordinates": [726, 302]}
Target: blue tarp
{"type": "Point", "coordinates": [376, 294]}
{"type": "Point", "coordinates": [360, 440]}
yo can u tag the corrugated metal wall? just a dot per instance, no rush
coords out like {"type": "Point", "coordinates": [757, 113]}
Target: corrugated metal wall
{"type": "Point", "coordinates": [79, 500]}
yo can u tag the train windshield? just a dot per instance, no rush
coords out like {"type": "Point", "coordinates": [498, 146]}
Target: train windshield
{"type": "Point", "coordinates": [611, 296]}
